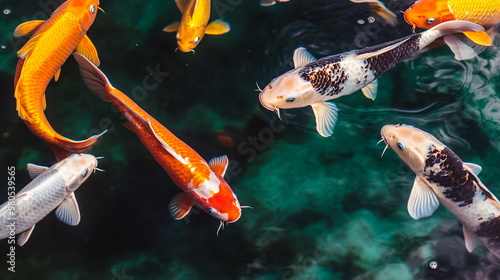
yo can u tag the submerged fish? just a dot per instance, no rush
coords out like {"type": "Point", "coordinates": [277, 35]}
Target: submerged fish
{"type": "Point", "coordinates": [313, 82]}
{"type": "Point", "coordinates": [375, 6]}
{"type": "Point", "coordinates": [203, 183]}
{"type": "Point", "coordinates": [442, 177]}
{"type": "Point", "coordinates": [41, 58]}
{"type": "Point", "coordinates": [194, 24]}
{"type": "Point", "coordinates": [51, 188]}
{"type": "Point", "coordinates": [429, 13]}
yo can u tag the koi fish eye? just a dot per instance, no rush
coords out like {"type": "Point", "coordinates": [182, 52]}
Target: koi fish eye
{"type": "Point", "coordinates": [290, 100]}
{"type": "Point", "coordinates": [92, 9]}
{"type": "Point", "coordinates": [401, 146]}
{"type": "Point", "coordinates": [196, 40]}
{"type": "Point", "coordinates": [85, 172]}
{"type": "Point", "coordinates": [431, 20]}
{"type": "Point", "coordinates": [212, 210]}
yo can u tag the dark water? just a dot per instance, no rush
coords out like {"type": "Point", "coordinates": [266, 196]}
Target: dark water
{"type": "Point", "coordinates": [323, 208]}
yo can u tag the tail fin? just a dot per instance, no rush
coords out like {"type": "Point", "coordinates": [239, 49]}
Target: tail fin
{"type": "Point", "coordinates": [480, 37]}
{"type": "Point", "coordinates": [93, 77]}
{"type": "Point", "coordinates": [454, 26]}
{"type": "Point", "coordinates": [461, 50]}
{"type": "Point", "coordinates": [66, 147]}
{"type": "Point", "coordinates": [450, 27]}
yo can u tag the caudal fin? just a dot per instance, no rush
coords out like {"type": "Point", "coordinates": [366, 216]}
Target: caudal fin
{"type": "Point", "coordinates": [450, 27]}
{"type": "Point", "coordinates": [63, 148]}
{"type": "Point", "coordinates": [93, 77]}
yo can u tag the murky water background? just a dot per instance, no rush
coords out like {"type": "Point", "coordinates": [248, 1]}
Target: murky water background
{"type": "Point", "coordinates": [323, 208]}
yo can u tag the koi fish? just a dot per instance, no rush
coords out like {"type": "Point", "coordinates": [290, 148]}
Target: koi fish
{"type": "Point", "coordinates": [313, 82]}
{"type": "Point", "coordinates": [442, 177]}
{"type": "Point", "coordinates": [194, 24]}
{"type": "Point", "coordinates": [375, 6]}
{"type": "Point", "coordinates": [52, 188]}
{"type": "Point", "coordinates": [429, 13]}
{"type": "Point", "coordinates": [41, 58]}
{"type": "Point", "coordinates": [203, 183]}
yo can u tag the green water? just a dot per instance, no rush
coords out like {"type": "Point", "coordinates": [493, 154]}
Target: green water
{"type": "Point", "coordinates": [323, 208]}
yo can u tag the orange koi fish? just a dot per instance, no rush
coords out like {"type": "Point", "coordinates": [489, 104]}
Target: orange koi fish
{"type": "Point", "coordinates": [203, 183]}
{"type": "Point", "coordinates": [41, 58]}
{"type": "Point", "coordinates": [194, 24]}
{"type": "Point", "coordinates": [429, 13]}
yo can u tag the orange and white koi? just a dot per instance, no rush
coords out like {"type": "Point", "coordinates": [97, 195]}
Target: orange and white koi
{"type": "Point", "coordinates": [203, 183]}
{"type": "Point", "coordinates": [429, 13]}
{"type": "Point", "coordinates": [41, 58]}
{"type": "Point", "coordinates": [376, 7]}
{"type": "Point", "coordinates": [194, 24]}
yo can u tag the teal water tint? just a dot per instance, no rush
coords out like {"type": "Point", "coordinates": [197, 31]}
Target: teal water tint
{"type": "Point", "coordinates": [323, 208]}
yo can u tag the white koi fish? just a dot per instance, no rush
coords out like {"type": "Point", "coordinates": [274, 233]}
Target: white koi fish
{"type": "Point", "coordinates": [313, 82]}
{"type": "Point", "coordinates": [442, 177]}
{"type": "Point", "coordinates": [51, 188]}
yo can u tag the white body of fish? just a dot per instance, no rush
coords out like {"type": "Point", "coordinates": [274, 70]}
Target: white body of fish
{"type": "Point", "coordinates": [313, 82]}
{"type": "Point", "coordinates": [443, 178]}
{"type": "Point", "coordinates": [51, 188]}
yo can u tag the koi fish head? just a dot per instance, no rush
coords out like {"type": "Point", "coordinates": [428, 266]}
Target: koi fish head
{"type": "Point", "coordinates": [411, 144]}
{"type": "Point", "coordinates": [188, 37]}
{"type": "Point", "coordinates": [75, 169]}
{"type": "Point", "coordinates": [428, 13]}
{"type": "Point", "coordinates": [85, 10]}
{"type": "Point", "coordinates": [287, 91]}
{"type": "Point", "coordinates": [223, 204]}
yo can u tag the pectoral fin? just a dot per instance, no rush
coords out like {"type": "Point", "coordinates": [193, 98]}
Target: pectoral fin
{"type": "Point", "coordinates": [26, 28]}
{"type": "Point", "coordinates": [35, 170]}
{"type": "Point", "coordinates": [180, 206]}
{"type": "Point", "coordinates": [423, 201]}
{"type": "Point", "coordinates": [479, 37]}
{"type": "Point", "coordinates": [217, 27]}
{"type": "Point", "coordinates": [87, 49]}
{"type": "Point", "coordinates": [471, 240]}
{"type": "Point", "coordinates": [173, 27]}
{"type": "Point", "coordinates": [219, 164]}
{"type": "Point", "coordinates": [68, 211]}
{"type": "Point", "coordinates": [370, 91]}
{"type": "Point", "coordinates": [23, 237]}
{"type": "Point", "coordinates": [302, 57]}
{"type": "Point", "coordinates": [461, 50]}
{"type": "Point", "coordinates": [326, 114]}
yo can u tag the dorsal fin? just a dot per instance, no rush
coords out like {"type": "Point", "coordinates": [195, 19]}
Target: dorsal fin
{"type": "Point", "coordinates": [219, 164]}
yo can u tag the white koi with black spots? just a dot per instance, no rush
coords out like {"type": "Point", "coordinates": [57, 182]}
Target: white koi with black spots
{"type": "Point", "coordinates": [443, 178]}
{"type": "Point", "coordinates": [52, 188]}
{"type": "Point", "coordinates": [313, 82]}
